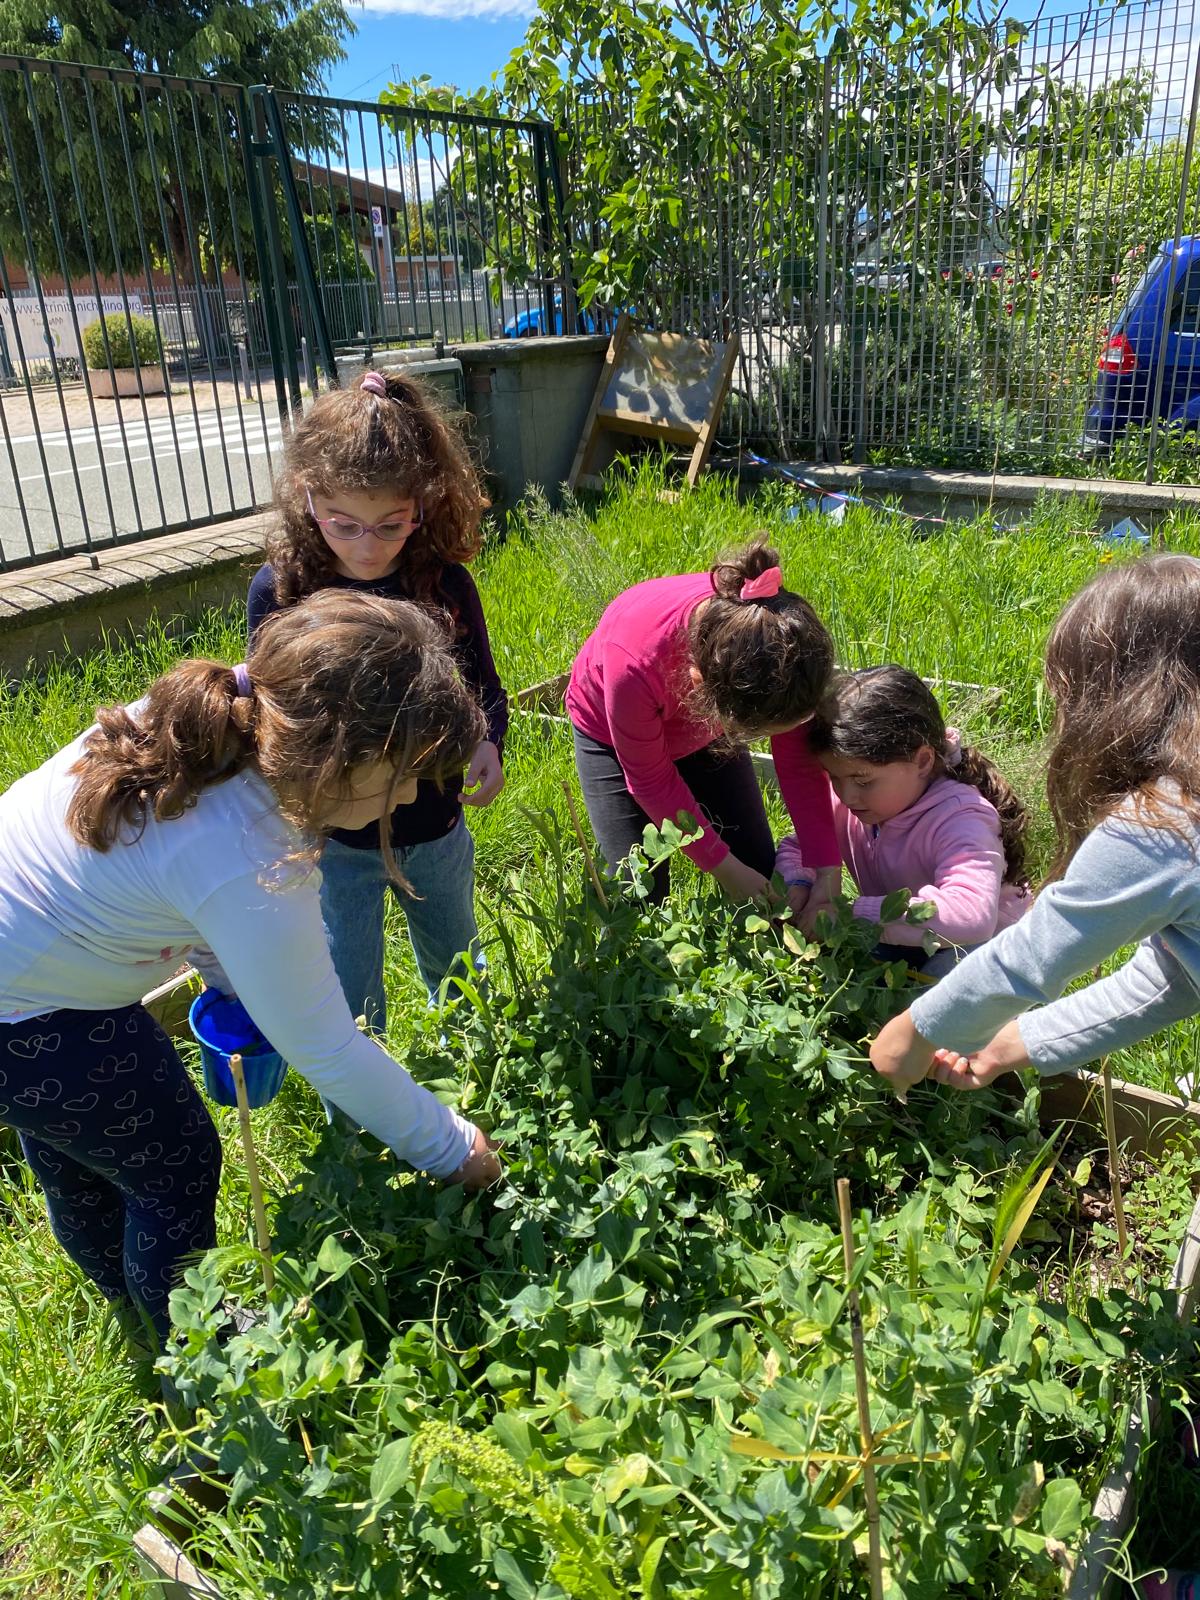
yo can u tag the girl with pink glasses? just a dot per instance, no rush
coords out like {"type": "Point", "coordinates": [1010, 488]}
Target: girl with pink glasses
{"type": "Point", "coordinates": [377, 495]}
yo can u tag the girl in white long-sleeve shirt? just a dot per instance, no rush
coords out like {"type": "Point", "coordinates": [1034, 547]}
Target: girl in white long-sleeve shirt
{"type": "Point", "coordinates": [187, 826]}
{"type": "Point", "coordinates": [1123, 779]}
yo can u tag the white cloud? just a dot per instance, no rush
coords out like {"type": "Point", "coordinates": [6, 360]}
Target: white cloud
{"type": "Point", "coordinates": [452, 10]}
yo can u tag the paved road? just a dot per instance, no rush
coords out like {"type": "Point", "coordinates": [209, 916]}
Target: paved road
{"type": "Point", "coordinates": [58, 486]}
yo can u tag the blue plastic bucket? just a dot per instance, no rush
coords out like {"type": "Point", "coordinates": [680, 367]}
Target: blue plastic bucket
{"type": "Point", "coordinates": [222, 1028]}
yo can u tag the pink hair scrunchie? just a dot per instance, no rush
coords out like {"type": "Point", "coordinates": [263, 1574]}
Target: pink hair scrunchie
{"type": "Point", "coordinates": [953, 756]}
{"type": "Point", "coordinates": [375, 383]}
{"type": "Point", "coordinates": [765, 587]}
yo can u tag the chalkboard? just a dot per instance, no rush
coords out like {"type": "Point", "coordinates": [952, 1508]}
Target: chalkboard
{"type": "Point", "coordinates": [667, 386]}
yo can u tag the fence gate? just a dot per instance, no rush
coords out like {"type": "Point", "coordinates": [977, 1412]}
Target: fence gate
{"type": "Point", "coordinates": [208, 251]}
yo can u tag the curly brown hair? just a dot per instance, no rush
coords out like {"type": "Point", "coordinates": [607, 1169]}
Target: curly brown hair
{"type": "Point", "coordinates": [763, 663]}
{"type": "Point", "coordinates": [1123, 665]}
{"type": "Point", "coordinates": [357, 439]}
{"type": "Point", "coordinates": [338, 681]}
{"type": "Point", "coordinates": [887, 713]}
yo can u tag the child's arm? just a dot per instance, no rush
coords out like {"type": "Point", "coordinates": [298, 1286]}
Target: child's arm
{"type": "Point", "coordinates": [1125, 883]}
{"type": "Point", "coordinates": [965, 891]}
{"type": "Point", "coordinates": [272, 943]}
{"type": "Point", "coordinates": [806, 792]}
{"type": "Point", "coordinates": [633, 703]}
{"type": "Point", "coordinates": [476, 659]}
{"type": "Point", "coordinates": [484, 777]}
{"type": "Point", "coordinates": [260, 602]}
{"type": "Point", "coordinates": [1147, 994]}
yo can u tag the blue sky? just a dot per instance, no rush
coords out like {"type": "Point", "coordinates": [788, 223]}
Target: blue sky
{"type": "Point", "coordinates": [455, 41]}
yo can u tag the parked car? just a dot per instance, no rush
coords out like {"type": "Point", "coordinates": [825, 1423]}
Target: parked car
{"type": "Point", "coordinates": [1162, 315]}
{"type": "Point", "coordinates": [882, 274]}
{"type": "Point", "coordinates": [530, 323]}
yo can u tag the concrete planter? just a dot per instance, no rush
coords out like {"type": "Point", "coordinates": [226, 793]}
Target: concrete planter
{"type": "Point", "coordinates": [529, 400]}
{"type": "Point", "coordinates": [109, 383]}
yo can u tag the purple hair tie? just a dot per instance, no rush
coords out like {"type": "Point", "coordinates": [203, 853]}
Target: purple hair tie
{"type": "Point", "coordinates": [375, 383]}
{"type": "Point", "coordinates": [241, 676]}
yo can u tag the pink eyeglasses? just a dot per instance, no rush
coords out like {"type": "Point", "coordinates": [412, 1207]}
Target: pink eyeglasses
{"type": "Point", "coordinates": [347, 528]}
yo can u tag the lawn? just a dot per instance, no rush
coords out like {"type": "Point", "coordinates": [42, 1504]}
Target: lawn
{"type": "Point", "coordinates": [967, 607]}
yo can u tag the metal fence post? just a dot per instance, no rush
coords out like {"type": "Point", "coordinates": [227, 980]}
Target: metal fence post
{"type": "Point", "coordinates": [265, 225]}
{"type": "Point", "coordinates": [821, 417]}
{"type": "Point", "coordinates": [244, 364]}
{"type": "Point", "coordinates": [1184, 179]}
{"type": "Point", "coordinates": [545, 231]}
{"type": "Point", "coordinates": [558, 180]}
{"type": "Point", "coordinates": [306, 277]}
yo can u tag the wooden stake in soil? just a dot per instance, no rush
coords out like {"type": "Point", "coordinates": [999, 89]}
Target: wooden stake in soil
{"type": "Point", "coordinates": [870, 1491]}
{"type": "Point", "coordinates": [261, 1231]}
{"type": "Point", "coordinates": [1114, 1170]}
{"type": "Point", "coordinates": [583, 845]}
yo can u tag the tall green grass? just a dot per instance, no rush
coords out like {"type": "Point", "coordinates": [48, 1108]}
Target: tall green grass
{"type": "Point", "coordinates": [964, 604]}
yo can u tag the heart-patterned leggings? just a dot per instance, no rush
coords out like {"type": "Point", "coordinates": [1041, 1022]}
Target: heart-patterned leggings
{"type": "Point", "coordinates": [122, 1145]}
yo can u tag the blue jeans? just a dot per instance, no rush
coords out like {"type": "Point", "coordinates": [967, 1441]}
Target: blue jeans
{"type": "Point", "coordinates": [936, 966]}
{"type": "Point", "coordinates": [440, 915]}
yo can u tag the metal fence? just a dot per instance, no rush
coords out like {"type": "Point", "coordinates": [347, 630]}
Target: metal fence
{"type": "Point", "coordinates": [928, 255]}
{"type": "Point", "coordinates": [208, 251]}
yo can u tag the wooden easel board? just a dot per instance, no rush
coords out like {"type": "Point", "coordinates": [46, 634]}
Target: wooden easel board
{"type": "Point", "coordinates": [666, 386]}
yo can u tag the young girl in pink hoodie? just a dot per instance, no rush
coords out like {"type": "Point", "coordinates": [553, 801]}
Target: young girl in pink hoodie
{"type": "Point", "coordinates": [916, 809]}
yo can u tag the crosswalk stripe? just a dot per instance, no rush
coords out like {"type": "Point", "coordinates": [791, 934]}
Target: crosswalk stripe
{"type": "Point", "coordinates": [211, 428]}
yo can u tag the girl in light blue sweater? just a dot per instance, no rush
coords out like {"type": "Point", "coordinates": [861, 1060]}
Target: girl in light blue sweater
{"type": "Point", "coordinates": [1123, 780]}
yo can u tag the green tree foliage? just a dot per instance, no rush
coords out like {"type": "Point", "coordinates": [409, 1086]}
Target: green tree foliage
{"type": "Point", "coordinates": [729, 165]}
{"type": "Point", "coordinates": [167, 166]}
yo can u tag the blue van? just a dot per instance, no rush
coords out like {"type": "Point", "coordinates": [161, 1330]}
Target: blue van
{"type": "Point", "coordinates": [1169, 291]}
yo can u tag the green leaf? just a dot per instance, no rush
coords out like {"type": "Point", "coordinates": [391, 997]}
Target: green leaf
{"type": "Point", "coordinates": [390, 1471]}
{"type": "Point", "coordinates": [513, 1575]}
{"type": "Point", "coordinates": [648, 1566]}
{"type": "Point", "coordinates": [333, 1259]}
{"type": "Point", "coordinates": [1062, 1509]}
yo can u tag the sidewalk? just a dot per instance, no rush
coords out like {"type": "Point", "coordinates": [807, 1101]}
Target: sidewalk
{"type": "Point", "coordinates": [22, 410]}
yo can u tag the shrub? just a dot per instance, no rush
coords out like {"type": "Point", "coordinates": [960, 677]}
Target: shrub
{"type": "Point", "coordinates": [117, 326]}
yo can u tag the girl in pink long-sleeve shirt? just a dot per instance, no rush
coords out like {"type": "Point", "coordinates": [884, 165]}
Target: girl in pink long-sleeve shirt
{"type": "Point", "coordinates": [915, 809]}
{"type": "Point", "coordinates": [681, 671]}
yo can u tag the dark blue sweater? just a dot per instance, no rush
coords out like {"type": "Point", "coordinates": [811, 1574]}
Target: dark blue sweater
{"type": "Point", "coordinates": [435, 811]}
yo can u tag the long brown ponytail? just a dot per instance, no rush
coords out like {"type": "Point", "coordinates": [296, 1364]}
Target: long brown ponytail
{"type": "Point", "coordinates": [336, 682]}
{"type": "Point", "coordinates": [1123, 665]}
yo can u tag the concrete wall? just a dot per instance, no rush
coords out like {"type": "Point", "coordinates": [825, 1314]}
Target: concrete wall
{"type": "Point", "coordinates": [64, 608]}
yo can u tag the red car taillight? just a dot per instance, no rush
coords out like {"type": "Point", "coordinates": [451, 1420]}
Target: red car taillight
{"type": "Point", "coordinates": [1118, 355]}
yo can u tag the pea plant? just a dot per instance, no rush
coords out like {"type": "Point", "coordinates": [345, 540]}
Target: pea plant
{"type": "Point", "coordinates": [629, 1369]}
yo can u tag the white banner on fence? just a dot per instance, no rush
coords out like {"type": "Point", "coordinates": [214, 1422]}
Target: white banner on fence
{"type": "Point", "coordinates": [26, 313]}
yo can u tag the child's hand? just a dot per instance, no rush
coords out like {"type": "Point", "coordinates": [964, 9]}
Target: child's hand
{"type": "Point", "coordinates": [798, 896]}
{"type": "Point", "coordinates": [820, 897]}
{"type": "Point", "coordinates": [1005, 1053]}
{"type": "Point", "coordinates": [482, 1167]}
{"type": "Point", "coordinates": [484, 778]}
{"type": "Point", "coordinates": [901, 1055]}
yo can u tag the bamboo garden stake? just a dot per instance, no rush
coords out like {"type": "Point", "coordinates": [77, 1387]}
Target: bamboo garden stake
{"type": "Point", "coordinates": [587, 854]}
{"type": "Point", "coordinates": [261, 1231]}
{"type": "Point", "coordinates": [866, 1434]}
{"type": "Point", "coordinates": [1114, 1171]}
